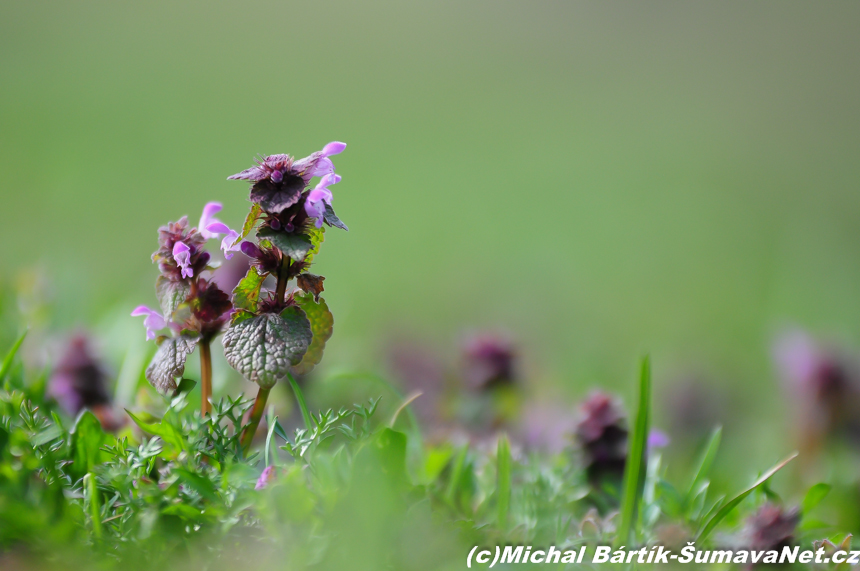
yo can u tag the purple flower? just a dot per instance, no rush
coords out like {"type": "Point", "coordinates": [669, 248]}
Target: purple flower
{"type": "Point", "coordinates": [657, 439]}
{"type": "Point", "coordinates": [79, 380]}
{"type": "Point", "coordinates": [182, 255]}
{"type": "Point", "coordinates": [324, 165]}
{"type": "Point", "coordinates": [319, 197]}
{"type": "Point", "coordinates": [279, 180]}
{"type": "Point", "coordinates": [772, 527]}
{"type": "Point", "coordinates": [602, 436]}
{"type": "Point", "coordinates": [228, 244]}
{"type": "Point", "coordinates": [207, 218]}
{"type": "Point", "coordinates": [489, 362]}
{"type": "Point", "coordinates": [153, 322]}
{"type": "Point", "coordinates": [266, 477]}
{"type": "Point", "coordinates": [275, 167]}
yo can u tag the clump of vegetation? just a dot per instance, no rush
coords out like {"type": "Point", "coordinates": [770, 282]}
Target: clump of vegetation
{"type": "Point", "coordinates": [198, 487]}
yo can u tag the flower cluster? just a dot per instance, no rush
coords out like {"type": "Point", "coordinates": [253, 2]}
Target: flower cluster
{"type": "Point", "coordinates": [193, 308]}
{"type": "Point", "coordinates": [270, 333]}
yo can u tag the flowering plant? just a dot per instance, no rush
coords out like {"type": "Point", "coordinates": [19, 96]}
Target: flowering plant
{"type": "Point", "coordinates": [268, 334]}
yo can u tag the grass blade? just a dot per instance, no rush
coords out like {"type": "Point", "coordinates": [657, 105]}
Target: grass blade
{"type": "Point", "coordinates": [503, 484]}
{"type": "Point", "coordinates": [707, 460]}
{"type": "Point", "coordinates": [732, 504]}
{"type": "Point", "coordinates": [7, 361]}
{"type": "Point", "coordinates": [272, 424]}
{"type": "Point", "coordinates": [92, 496]}
{"type": "Point", "coordinates": [634, 470]}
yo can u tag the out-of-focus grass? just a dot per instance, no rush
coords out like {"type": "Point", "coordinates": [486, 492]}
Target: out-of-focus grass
{"type": "Point", "coordinates": [597, 178]}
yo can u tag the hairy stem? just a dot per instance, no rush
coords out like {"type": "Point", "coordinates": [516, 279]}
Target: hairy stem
{"type": "Point", "coordinates": [256, 414]}
{"type": "Point", "coordinates": [300, 398]}
{"type": "Point", "coordinates": [283, 278]}
{"type": "Point", "coordinates": [205, 377]}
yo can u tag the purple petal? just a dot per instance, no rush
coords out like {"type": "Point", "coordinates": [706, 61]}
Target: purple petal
{"type": "Point", "coordinates": [315, 209]}
{"type": "Point", "coordinates": [333, 148]}
{"type": "Point", "coordinates": [320, 193]}
{"type": "Point", "coordinates": [218, 227]}
{"type": "Point", "coordinates": [153, 321]}
{"type": "Point", "coordinates": [266, 478]}
{"type": "Point", "coordinates": [330, 179]}
{"type": "Point", "coordinates": [208, 216]}
{"type": "Point", "coordinates": [323, 167]}
{"type": "Point", "coordinates": [141, 310]}
{"type": "Point", "coordinates": [657, 439]}
{"type": "Point", "coordinates": [183, 258]}
{"type": "Point", "coordinates": [228, 244]}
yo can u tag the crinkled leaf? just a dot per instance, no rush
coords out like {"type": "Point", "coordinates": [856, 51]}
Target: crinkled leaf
{"type": "Point", "coordinates": [169, 362]}
{"type": "Point", "coordinates": [316, 235]}
{"type": "Point", "coordinates": [171, 295]}
{"type": "Point", "coordinates": [311, 283]}
{"type": "Point", "coordinates": [250, 221]}
{"type": "Point", "coordinates": [322, 325]}
{"type": "Point", "coordinates": [263, 348]}
{"type": "Point", "coordinates": [247, 292]}
{"type": "Point", "coordinates": [275, 197]}
{"type": "Point", "coordinates": [296, 246]}
{"type": "Point", "coordinates": [331, 218]}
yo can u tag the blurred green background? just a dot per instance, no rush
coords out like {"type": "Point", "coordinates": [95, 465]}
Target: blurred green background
{"type": "Point", "coordinates": [600, 179]}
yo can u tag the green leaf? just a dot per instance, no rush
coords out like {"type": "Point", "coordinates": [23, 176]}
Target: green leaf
{"type": "Point", "coordinates": [250, 221]}
{"type": "Point", "coordinates": [168, 363]}
{"type": "Point", "coordinates": [185, 386]}
{"type": "Point", "coordinates": [322, 326]}
{"type": "Point", "coordinates": [331, 218]}
{"type": "Point", "coordinates": [10, 356]}
{"type": "Point", "coordinates": [92, 499]}
{"type": "Point", "coordinates": [316, 235]}
{"type": "Point", "coordinates": [634, 470]}
{"type": "Point", "coordinates": [50, 433]}
{"type": "Point", "coordinates": [264, 348]}
{"type": "Point", "coordinates": [814, 496]}
{"type": "Point", "coordinates": [247, 292]}
{"type": "Point", "coordinates": [166, 431]}
{"type": "Point", "coordinates": [705, 462]}
{"type": "Point", "coordinates": [87, 438]}
{"type": "Point", "coordinates": [296, 246]}
{"type": "Point", "coordinates": [503, 482]}
{"type": "Point", "coordinates": [240, 315]}
{"type": "Point", "coordinates": [171, 295]}
{"type": "Point", "coordinates": [198, 483]}
{"type": "Point", "coordinates": [732, 504]}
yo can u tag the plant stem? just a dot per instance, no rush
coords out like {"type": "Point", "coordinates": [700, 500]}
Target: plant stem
{"type": "Point", "coordinates": [205, 377]}
{"type": "Point", "coordinates": [256, 414]}
{"type": "Point", "coordinates": [300, 398]}
{"type": "Point", "coordinates": [283, 278]}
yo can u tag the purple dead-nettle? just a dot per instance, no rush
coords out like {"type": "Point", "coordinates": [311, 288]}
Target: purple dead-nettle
{"type": "Point", "coordinates": [193, 310]}
{"type": "Point", "coordinates": [275, 333]}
